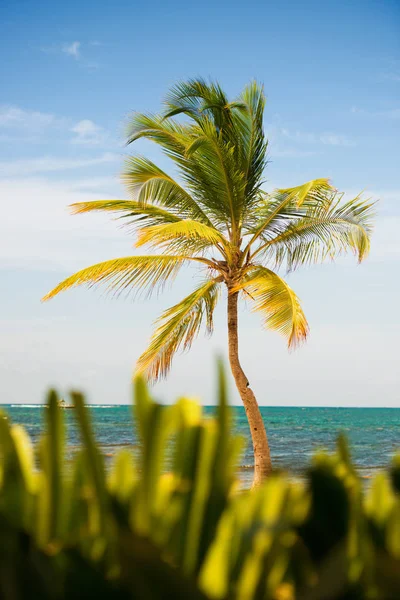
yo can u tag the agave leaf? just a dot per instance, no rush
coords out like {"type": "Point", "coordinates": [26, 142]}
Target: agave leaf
{"type": "Point", "coordinates": [155, 423]}
{"type": "Point", "coordinates": [93, 460]}
{"type": "Point", "coordinates": [199, 495]}
{"type": "Point", "coordinates": [56, 437]}
{"type": "Point", "coordinates": [380, 499]}
{"type": "Point", "coordinates": [214, 577]}
{"type": "Point", "coordinates": [123, 476]}
{"type": "Point", "coordinates": [13, 494]}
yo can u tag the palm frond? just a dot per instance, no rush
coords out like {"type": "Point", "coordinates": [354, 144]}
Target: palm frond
{"type": "Point", "coordinates": [177, 328]}
{"type": "Point", "coordinates": [276, 211]}
{"type": "Point", "coordinates": [125, 274]}
{"type": "Point", "coordinates": [220, 152]}
{"type": "Point", "coordinates": [325, 232]}
{"type": "Point", "coordinates": [148, 183]}
{"type": "Point", "coordinates": [235, 135]}
{"type": "Point", "coordinates": [211, 172]}
{"type": "Point", "coordinates": [277, 302]}
{"type": "Point", "coordinates": [131, 211]}
{"type": "Point", "coordinates": [315, 190]}
{"type": "Point", "coordinates": [198, 142]}
{"type": "Point", "coordinates": [196, 98]}
{"type": "Point", "coordinates": [249, 111]}
{"type": "Point", "coordinates": [168, 133]}
{"type": "Point", "coordinates": [201, 235]}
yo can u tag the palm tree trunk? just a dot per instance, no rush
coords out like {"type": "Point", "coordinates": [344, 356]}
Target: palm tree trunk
{"type": "Point", "coordinates": [262, 458]}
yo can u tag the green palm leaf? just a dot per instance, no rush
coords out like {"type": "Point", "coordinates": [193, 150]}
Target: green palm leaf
{"type": "Point", "coordinates": [168, 133]}
{"type": "Point", "coordinates": [131, 211]}
{"type": "Point", "coordinates": [225, 144]}
{"type": "Point", "coordinates": [147, 183]}
{"type": "Point", "coordinates": [283, 206]}
{"type": "Point", "coordinates": [125, 274]}
{"type": "Point", "coordinates": [277, 302]}
{"type": "Point", "coordinates": [314, 190]}
{"type": "Point", "coordinates": [177, 328]}
{"type": "Point", "coordinates": [201, 235]}
{"type": "Point", "coordinates": [249, 116]}
{"type": "Point", "coordinates": [195, 98]}
{"type": "Point", "coordinates": [325, 231]}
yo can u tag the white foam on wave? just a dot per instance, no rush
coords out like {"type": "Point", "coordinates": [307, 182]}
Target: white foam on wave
{"type": "Point", "coordinates": [27, 405]}
{"type": "Point", "coordinates": [45, 405]}
{"type": "Point", "coordinates": [106, 405]}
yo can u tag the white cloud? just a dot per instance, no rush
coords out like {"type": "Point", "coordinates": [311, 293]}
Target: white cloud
{"type": "Point", "coordinates": [13, 117]}
{"type": "Point", "coordinates": [19, 124]}
{"type": "Point", "coordinates": [72, 49]}
{"type": "Point", "coordinates": [90, 184]}
{"type": "Point", "coordinates": [326, 138]}
{"type": "Point", "coordinates": [334, 139]}
{"type": "Point", "coordinates": [290, 152]}
{"type": "Point", "coordinates": [385, 244]}
{"type": "Point", "coordinates": [87, 133]}
{"type": "Point", "coordinates": [391, 76]}
{"type": "Point", "coordinates": [38, 232]}
{"type": "Point", "coordinates": [385, 241]}
{"type": "Point", "coordinates": [46, 164]}
{"type": "Point", "coordinates": [393, 113]}
{"type": "Point", "coordinates": [390, 71]}
{"type": "Point", "coordinates": [279, 137]}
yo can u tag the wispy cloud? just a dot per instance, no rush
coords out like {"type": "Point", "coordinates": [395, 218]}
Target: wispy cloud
{"type": "Point", "coordinates": [391, 71]}
{"type": "Point", "coordinates": [391, 76]}
{"type": "Point", "coordinates": [13, 117]}
{"type": "Point", "coordinates": [325, 138]}
{"type": "Point", "coordinates": [334, 139]}
{"type": "Point", "coordinates": [290, 152]}
{"type": "Point", "coordinates": [76, 51]}
{"type": "Point", "coordinates": [290, 143]}
{"type": "Point", "coordinates": [87, 133]}
{"type": "Point", "coordinates": [38, 230]}
{"type": "Point", "coordinates": [47, 164]}
{"type": "Point", "coordinates": [386, 244]}
{"type": "Point", "coordinates": [72, 49]}
{"type": "Point", "coordinates": [18, 124]}
{"type": "Point", "coordinates": [392, 113]}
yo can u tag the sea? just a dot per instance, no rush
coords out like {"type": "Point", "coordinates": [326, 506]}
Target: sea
{"type": "Point", "coordinates": [294, 434]}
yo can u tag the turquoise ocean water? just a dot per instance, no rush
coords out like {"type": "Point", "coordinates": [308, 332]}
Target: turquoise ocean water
{"type": "Point", "coordinates": [294, 433]}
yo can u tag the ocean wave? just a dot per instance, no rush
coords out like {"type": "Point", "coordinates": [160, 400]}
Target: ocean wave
{"type": "Point", "coordinates": [45, 405]}
{"type": "Point", "coordinates": [106, 405]}
{"type": "Point", "coordinates": [27, 405]}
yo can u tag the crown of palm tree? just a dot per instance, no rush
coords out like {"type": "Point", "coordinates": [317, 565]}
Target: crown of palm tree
{"type": "Point", "coordinates": [218, 217]}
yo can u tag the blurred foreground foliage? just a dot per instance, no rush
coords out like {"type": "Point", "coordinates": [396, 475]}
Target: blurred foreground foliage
{"type": "Point", "coordinates": [138, 532]}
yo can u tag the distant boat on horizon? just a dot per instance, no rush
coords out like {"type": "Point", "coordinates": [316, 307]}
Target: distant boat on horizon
{"type": "Point", "coordinates": [63, 404]}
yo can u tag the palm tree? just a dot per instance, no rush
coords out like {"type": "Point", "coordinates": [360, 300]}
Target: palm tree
{"type": "Point", "coordinates": [217, 217]}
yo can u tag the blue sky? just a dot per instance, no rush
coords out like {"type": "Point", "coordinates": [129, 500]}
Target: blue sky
{"type": "Point", "coordinates": [70, 75]}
